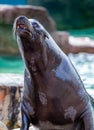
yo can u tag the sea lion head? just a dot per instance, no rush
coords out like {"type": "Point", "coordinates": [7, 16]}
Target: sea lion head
{"type": "Point", "coordinates": [31, 38]}
{"type": "Point", "coordinates": [30, 32]}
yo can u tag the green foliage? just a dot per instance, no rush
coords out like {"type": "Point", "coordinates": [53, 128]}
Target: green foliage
{"type": "Point", "coordinates": [69, 13]}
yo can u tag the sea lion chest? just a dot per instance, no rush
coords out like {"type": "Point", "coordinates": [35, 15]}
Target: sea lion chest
{"type": "Point", "coordinates": [58, 93]}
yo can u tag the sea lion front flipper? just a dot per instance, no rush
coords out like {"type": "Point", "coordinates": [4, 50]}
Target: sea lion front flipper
{"type": "Point", "coordinates": [27, 105]}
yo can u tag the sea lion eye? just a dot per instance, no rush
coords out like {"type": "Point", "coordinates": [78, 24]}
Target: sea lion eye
{"type": "Point", "coordinates": [35, 25]}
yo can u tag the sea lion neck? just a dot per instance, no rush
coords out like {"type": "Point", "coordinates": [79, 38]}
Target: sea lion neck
{"type": "Point", "coordinates": [34, 43]}
{"type": "Point", "coordinates": [40, 62]}
{"type": "Point", "coordinates": [34, 62]}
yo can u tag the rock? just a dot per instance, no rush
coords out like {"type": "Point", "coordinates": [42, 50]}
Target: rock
{"type": "Point", "coordinates": [67, 43]}
{"type": "Point", "coordinates": [81, 44]}
{"type": "Point", "coordinates": [10, 97]}
{"type": "Point", "coordinates": [7, 80]}
{"type": "Point", "coordinates": [11, 87]}
{"type": "Point", "coordinates": [70, 44]}
{"type": "Point", "coordinates": [63, 41]}
{"type": "Point", "coordinates": [3, 126]}
{"type": "Point", "coordinates": [8, 13]}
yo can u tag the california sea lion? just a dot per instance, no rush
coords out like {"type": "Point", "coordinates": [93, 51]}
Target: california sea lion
{"type": "Point", "coordinates": [53, 91]}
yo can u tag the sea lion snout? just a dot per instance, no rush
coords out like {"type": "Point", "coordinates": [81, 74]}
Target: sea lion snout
{"type": "Point", "coordinates": [22, 20]}
{"type": "Point", "coordinates": [22, 26]}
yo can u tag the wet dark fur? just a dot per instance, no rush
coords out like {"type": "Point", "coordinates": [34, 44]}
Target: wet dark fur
{"type": "Point", "coordinates": [53, 91]}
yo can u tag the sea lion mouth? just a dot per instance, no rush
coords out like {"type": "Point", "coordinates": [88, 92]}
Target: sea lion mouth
{"type": "Point", "coordinates": [28, 28]}
{"type": "Point", "coordinates": [22, 26]}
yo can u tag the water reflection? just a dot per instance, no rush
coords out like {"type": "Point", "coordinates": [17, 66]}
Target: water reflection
{"type": "Point", "coordinates": [84, 64]}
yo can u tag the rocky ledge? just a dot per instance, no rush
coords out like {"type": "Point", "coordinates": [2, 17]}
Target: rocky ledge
{"type": "Point", "coordinates": [11, 88]}
{"type": "Point", "coordinates": [8, 13]}
{"type": "Point", "coordinates": [70, 44]}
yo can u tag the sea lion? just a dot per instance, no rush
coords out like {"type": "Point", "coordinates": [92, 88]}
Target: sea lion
{"type": "Point", "coordinates": [53, 91]}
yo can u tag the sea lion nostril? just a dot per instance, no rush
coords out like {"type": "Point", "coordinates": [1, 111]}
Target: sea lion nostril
{"type": "Point", "coordinates": [22, 18]}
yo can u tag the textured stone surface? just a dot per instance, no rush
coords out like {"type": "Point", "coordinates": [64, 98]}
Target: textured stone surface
{"type": "Point", "coordinates": [81, 44]}
{"type": "Point", "coordinates": [11, 87]}
{"type": "Point", "coordinates": [3, 126]}
{"type": "Point", "coordinates": [11, 80]}
{"type": "Point", "coordinates": [70, 44]}
{"type": "Point", "coordinates": [9, 13]}
{"type": "Point", "coordinates": [63, 41]}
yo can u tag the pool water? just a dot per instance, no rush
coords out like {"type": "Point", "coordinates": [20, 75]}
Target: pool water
{"type": "Point", "coordinates": [11, 64]}
{"type": "Point", "coordinates": [83, 33]}
{"type": "Point", "coordinates": [84, 64]}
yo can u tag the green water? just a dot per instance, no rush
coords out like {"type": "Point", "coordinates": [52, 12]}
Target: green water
{"type": "Point", "coordinates": [11, 64]}
{"type": "Point", "coordinates": [84, 64]}
{"type": "Point", "coordinates": [83, 33]}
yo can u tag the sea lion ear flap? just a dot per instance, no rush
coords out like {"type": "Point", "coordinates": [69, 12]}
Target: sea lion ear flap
{"type": "Point", "coordinates": [45, 34]}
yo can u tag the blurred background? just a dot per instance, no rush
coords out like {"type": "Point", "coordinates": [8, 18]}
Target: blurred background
{"type": "Point", "coordinates": [69, 14]}
{"type": "Point", "coordinates": [73, 17]}
{"type": "Point", "coordinates": [69, 22]}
